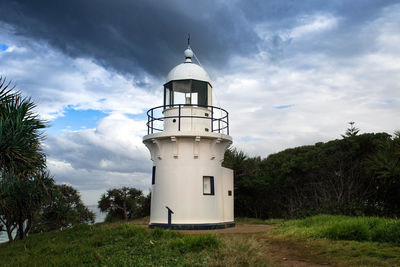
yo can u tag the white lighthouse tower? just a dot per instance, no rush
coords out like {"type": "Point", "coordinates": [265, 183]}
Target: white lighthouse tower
{"type": "Point", "coordinates": [187, 137]}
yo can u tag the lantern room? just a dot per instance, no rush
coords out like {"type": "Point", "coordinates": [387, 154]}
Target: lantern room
{"type": "Point", "coordinates": [187, 84]}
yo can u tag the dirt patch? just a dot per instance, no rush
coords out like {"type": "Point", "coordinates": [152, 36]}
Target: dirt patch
{"type": "Point", "coordinates": [281, 252]}
{"type": "Point", "coordinates": [287, 254]}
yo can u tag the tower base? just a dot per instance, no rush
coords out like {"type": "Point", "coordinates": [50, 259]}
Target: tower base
{"type": "Point", "coordinates": [202, 226]}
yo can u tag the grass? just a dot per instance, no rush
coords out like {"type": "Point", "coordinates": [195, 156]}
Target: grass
{"type": "Point", "coordinates": [342, 240]}
{"type": "Point", "coordinates": [337, 240]}
{"type": "Point", "coordinates": [127, 244]}
{"type": "Point", "coordinates": [373, 229]}
{"type": "Point", "coordinates": [120, 244]}
{"type": "Point", "coordinates": [337, 253]}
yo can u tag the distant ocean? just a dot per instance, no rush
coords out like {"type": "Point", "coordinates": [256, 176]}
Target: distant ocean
{"type": "Point", "coordinates": [100, 217]}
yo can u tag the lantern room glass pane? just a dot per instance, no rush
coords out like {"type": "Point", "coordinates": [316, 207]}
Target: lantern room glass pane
{"type": "Point", "coordinates": [181, 86]}
{"type": "Point", "coordinates": [179, 98]}
{"type": "Point", "coordinates": [168, 94]}
{"type": "Point", "coordinates": [201, 89]}
{"type": "Point", "coordinates": [195, 98]}
{"type": "Point", "coordinates": [168, 100]}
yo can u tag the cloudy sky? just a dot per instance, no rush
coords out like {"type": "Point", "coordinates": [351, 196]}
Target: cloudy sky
{"type": "Point", "coordinates": [289, 72]}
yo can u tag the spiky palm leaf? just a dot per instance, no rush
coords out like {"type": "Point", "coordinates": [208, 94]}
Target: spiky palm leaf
{"type": "Point", "coordinates": [20, 134]}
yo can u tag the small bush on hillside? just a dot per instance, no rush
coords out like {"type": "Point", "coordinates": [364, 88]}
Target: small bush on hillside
{"type": "Point", "coordinates": [347, 230]}
{"type": "Point", "coordinates": [388, 231]}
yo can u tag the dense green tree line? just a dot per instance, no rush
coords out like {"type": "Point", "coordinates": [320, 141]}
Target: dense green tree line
{"type": "Point", "coordinates": [356, 175]}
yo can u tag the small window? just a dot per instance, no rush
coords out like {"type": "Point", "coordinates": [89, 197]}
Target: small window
{"type": "Point", "coordinates": [208, 185]}
{"type": "Point", "coordinates": [153, 175]}
{"type": "Point", "coordinates": [229, 192]}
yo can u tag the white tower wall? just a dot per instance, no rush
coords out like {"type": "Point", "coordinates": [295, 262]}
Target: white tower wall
{"type": "Point", "coordinates": [181, 161]}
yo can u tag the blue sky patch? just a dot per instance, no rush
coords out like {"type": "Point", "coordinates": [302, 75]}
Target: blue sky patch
{"type": "Point", "coordinates": [141, 116]}
{"type": "Point", "coordinates": [249, 139]}
{"type": "Point", "coordinates": [388, 101]}
{"type": "Point", "coordinates": [284, 106]}
{"type": "Point", "coordinates": [74, 119]}
{"type": "Point", "coordinates": [3, 47]}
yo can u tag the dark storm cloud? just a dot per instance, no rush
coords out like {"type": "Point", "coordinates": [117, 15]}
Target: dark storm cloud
{"type": "Point", "coordinates": [132, 36]}
{"type": "Point", "coordinates": [345, 41]}
{"type": "Point", "coordinates": [282, 12]}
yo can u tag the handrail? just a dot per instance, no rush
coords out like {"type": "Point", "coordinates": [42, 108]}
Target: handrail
{"type": "Point", "coordinates": [222, 121]}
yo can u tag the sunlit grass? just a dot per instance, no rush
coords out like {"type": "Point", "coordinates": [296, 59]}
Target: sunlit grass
{"type": "Point", "coordinates": [344, 228]}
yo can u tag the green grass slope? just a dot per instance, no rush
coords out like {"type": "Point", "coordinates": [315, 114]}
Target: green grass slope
{"type": "Point", "coordinates": [336, 240]}
{"type": "Point", "coordinates": [120, 244]}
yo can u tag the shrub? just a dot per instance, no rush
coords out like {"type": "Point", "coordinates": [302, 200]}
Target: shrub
{"type": "Point", "coordinates": [347, 230]}
{"type": "Point", "coordinates": [388, 231]}
{"type": "Point", "coordinates": [344, 228]}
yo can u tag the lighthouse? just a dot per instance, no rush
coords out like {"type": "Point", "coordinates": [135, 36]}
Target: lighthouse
{"type": "Point", "coordinates": [187, 137]}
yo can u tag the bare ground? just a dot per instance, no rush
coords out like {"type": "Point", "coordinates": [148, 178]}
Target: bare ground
{"type": "Point", "coordinates": [283, 253]}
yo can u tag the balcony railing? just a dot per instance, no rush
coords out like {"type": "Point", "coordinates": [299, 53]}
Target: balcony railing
{"type": "Point", "coordinates": [219, 118]}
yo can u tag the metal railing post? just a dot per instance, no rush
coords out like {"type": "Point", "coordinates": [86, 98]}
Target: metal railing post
{"type": "Point", "coordinates": [219, 126]}
{"type": "Point", "coordinates": [179, 118]}
{"type": "Point", "coordinates": [170, 212]}
{"type": "Point", "coordinates": [152, 120]}
{"type": "Point", "coordinates": [227, 123]}
{"type": "Point", "coordinates": [212, 119]}
{"type": "Point", "coordinates": [148, 122]}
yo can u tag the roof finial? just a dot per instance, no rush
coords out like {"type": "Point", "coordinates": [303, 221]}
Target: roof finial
{"type": "Point", "coordinates": [188, 52]}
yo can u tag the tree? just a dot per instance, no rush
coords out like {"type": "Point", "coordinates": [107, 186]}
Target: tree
{"type": "Point", "coordinates": [384, 166]}
{"type": "Point", "coordinates": [63, 210]}
{"type": "Point", "coordinates": [351, 131]}
{"type": "Point", "coordinates": [29, 199]}
{"type": "Point", "coordinates": [23, 180]}
{"type": "Point", "coordinates": [21, 198]}
{"type": "Point", "coordinates": [124, 203]}
{"type": "Point", "coordinates": [248, 183]}
{"type": "Point", "coordinates": [329, 177]}
{"type": "Point", "coordinates": [20, 135]}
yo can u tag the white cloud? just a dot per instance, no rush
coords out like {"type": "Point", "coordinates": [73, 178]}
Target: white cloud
{"type": "Point", "coordinates": [313, 24]}
{"type": "Point", "coordinates": [326, 91]}
{"type": "Point", "coordinates": [111, 155]}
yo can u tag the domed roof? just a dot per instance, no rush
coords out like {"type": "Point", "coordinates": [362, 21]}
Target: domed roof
{"type": "Point", "coordinates": [188, 70]}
